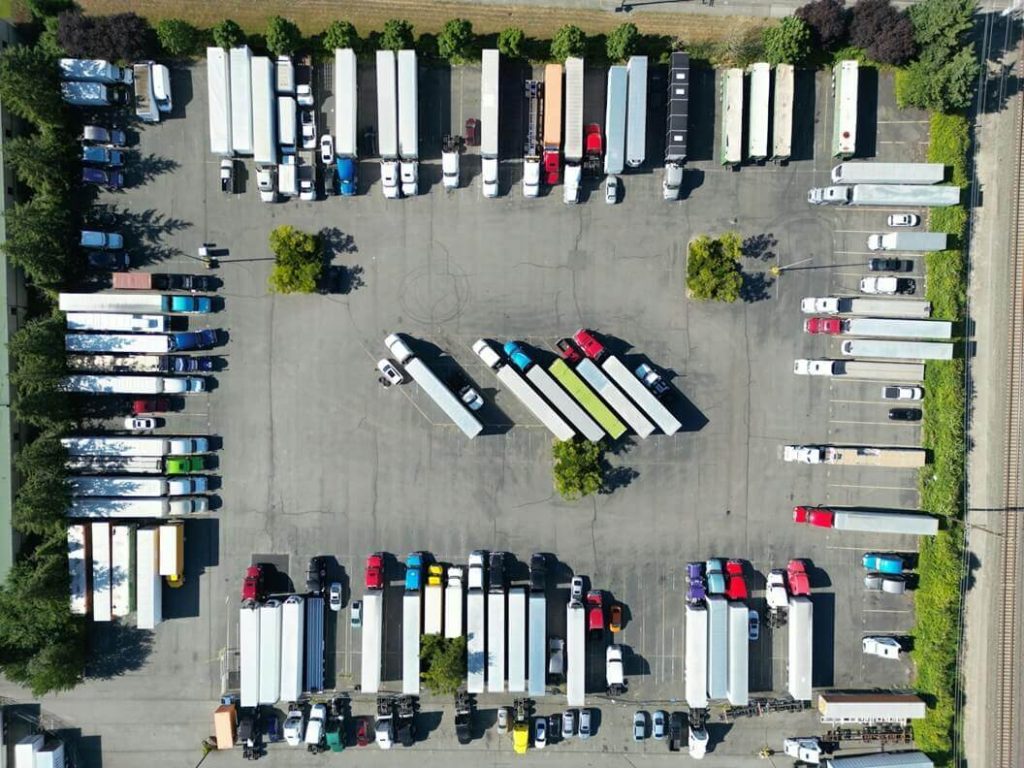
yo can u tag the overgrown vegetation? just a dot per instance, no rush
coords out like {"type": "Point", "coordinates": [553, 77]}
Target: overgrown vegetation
{"type": "Point", "coordinates": [940, 569]}
{"type": "Point", "coordinates": [443, 663]}
{"type": "Point", "coordinates": [713, 267]}
{"type": "Point", "coordinates": [298, 260]}
{"type": "Point", "coordinates": [578, 468]}
{"type": "Point", "coordinates": [945, 73]}
{"type": "Point", "coordinates": [789, 42]}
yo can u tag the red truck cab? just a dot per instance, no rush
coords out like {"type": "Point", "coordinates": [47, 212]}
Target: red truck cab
{"type": "Point", "coordinates": [252, 585]}
{"type": "Point", "coordinates": [799, 581]}
{"type": "Point", "coordinates": [591, 347]}
{"type": "Point", "coordinates": [827, 325]}
{"type": "Point", "coordinates": [735, 584]}
{"type": "Point", "coordinates": [593, 146]}
{"type": "Point", "coordinates": [595, 611]}
{"type": "Point", "coordinates": [375, 571]}
{"type": "Point", "coordinates": [819, 516]}
{"type": "Point", "coordinates": [552, 167]}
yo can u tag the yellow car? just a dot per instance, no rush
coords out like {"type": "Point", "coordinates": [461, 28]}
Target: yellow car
{"type": "Point", "coordinates": [520, 738]}
{"type": "Point", "coordinates": [435, 575]}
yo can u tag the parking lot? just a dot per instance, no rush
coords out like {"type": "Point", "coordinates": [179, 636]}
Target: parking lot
{"type": "Point", "coordinates": [317, 458]}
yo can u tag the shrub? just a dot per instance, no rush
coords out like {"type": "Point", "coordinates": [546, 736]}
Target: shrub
{"type": "Point", "coordinates": [227, 34]}
{"type": "Point", "coordinates": [622, 42]}
{"type": "Point", "coordinates": [298, 260]}
{"type": "Point", "coordinates": [30, 86]}
{"type": "Point", "coordinates": [741, 49]}
{"type": "Point", "coordinates": [578, 469]}
{"type": "Point", "coordinates": [40, 239]}
{"type": "Point", "coordinates": [283, 36]}
{"type": "Point", "coordinates": [568, 41]}
{"type": "Point", "coordinates": [123, 37]}
{"type": "Point", "coordinates": [788, 42]}
{"type": "Point", "coordinates": [340, 34]}
{"type": "Point", "coordinates": [945, 86]}
{"type": "Point", "coordinates": [397, 35]}
{"type": "Point", "coordinates": [829, 21]}
{"type": "Point", "coordinates": [941, 23]}
{"type": "Point", "coordinates": [177, 37]}
{"type": "Point", "coordinates": [713, 270]}
{"type": "Point", "coordinates": [443, 661]}
{"type": "Point", "coordinates": [455, 43]}
{"type": "Point", "coordinates": [511, 41]}
{"type": "Point", "coordinates": [884, 32]}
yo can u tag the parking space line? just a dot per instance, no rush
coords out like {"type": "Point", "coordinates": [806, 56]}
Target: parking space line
{"type": "Point", "coordinates": [874, 423]}
{"type": "Point", "coordinates": [854, 231]}
{"type": "Point", "coordinates": [862, 402]}
{"type": "Point", "coordinates": [901, 122]}
{"type": "Point", "coordinates": [873, 487]}
{"type": "Point", "coordinates": [885, 610]}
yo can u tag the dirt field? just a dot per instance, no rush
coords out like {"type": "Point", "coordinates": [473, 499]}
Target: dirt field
{"type": "Point", "coordinates": [313, 15]}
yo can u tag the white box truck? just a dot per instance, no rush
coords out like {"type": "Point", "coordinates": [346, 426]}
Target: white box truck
{"type": "Point", "coordinates": [387, 124]}
{"type": "Point", "coordinates": [408, 122]}
{"type": "Point", "coordinates": [148, 594]}
{"type": "Point", "coordinates": [433, 608]}
{"type": "Point", "coordinates": [489, 88]}
{"type": "Point", "coordinates": [218, 91]}
{"type": "Point", "coordinates": [172, 551]}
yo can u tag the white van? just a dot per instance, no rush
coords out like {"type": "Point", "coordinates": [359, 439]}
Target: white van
{"type": "Point", "coordinates": [162, 87]}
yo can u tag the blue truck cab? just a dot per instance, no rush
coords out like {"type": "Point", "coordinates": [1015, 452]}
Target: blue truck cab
{"type": "Point", "coordinates": [892, 564]}
{"type": "Point", "coordinates": [192, 305]}
{"type": "Point", "coordinates": [518, 357]}
{"type": "Point", "coordinates": [103, 156]}
{"type": "Point", "coordinates": [347, 171]}
{"type": "Point", "coordinates": [413, 572]}
{"type": "Point", "coordinates": [204, 339]}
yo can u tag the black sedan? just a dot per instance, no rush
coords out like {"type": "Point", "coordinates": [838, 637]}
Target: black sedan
{"type": "Point", "coordinates": [904, 414]}
{"type": "Point", "coordinates": [890, 265]}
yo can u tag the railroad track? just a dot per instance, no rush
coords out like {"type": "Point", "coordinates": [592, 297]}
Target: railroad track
{"type": "Point", "coordinates": [1007, 693]}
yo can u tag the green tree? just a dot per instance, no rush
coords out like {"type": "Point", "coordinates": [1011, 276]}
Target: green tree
{"type": "Point", "coordinates": [788, 42]}
{"type": "Point", "coordinates": [39, 240]}
{"type": "Point", "coordinates": [397, 35]}
{"type": "Point", "coordinates": [443, 661]}
{"type": "Point", "coordinates": [40, 504]}
{"type": "Point", "coordinates": [177, 37]}
{"type": "Point", "coordinates": [712, 269]}
{"type": "Point", "coordinates": [568, 41]}
{"type": "Point", "coordinates": [942, 23]}
{"type": "Point", "coordinates": [43, 456]}
{"type": "Point", "coordinates": [340, 34]}
{"type": "Point", "coordinates": [578, 469]}
{"type": "Point", "coordinates": [941, 85]}
{"type": "Point", "coordinates": [38, 346]}
{"type": "Point", "coordinates": [511, 41]}
{"type": "Point", "coordinates": [45, 161]}
{"type": "Point", "coordinates": [44, 408]}
{"type": "Point", "coordinates": [455, 43]}
{"type": "Point", "coordinates": [48, 42]}
{"type": "Point", "coordinates": [227, 34]}
{"type": "Point", "coordinates": [298, 260]}
{"type": "Point", "coordinates": [47, 9]}
{"type": "Point", "coordinates": [30, 87]}
{"type": "Point", "coordinates": [621, 42]}
{"type": "Point", "coordinates": [283, 36]}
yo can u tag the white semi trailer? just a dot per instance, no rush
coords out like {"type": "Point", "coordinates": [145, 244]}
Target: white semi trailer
{"type": "Point", "coordinates": [408, 123]}
{"type": "Point", "coordinates": [489, 88]}
{"type": "Point", "coordinates": [121, 540]}
{"type": "Point", "coordinates": [718, 646]}
{"type": "Point", "coordinates": [537, 652]}
{"type": "Point", "coordinates": [782, 114]}
{"type": "Point", "coordinates": [411, 627]}
{"type": "Point", "coordinates": [615, 120]}
{"type": "Point", "coordinates": [387, 124]}
{"type": "Point", "coordinates": [573, 148]}
{"type": "Point", "coordinates": [84, 485]}
{"type": "Point", "coordinates": [453, 599]}
{"type": "Point", "coordinates": [899, 350]}
{"type": "Point", "coordinates": [476, 639]}
{"type": "Point", "coordinates": [568, 407]}
{"type": "Point", "coordinates": [642, 396]}
{"type": "Point", "coordinates": [517, 640]}
{"type": "Point", "coordinates": [575, 655]}
{"type": "Point", "coordinates": [99, 537]}
{"type": "Point", "coordinates": [135, 446]}
{"type": "Point", "coordinates": [636, 123]}
{"type": "Point", "coordinates": [148, 594]}
{"type": "Point", "coordinates": [293, 623]}
{"type": "Point", "coordinates": [757, 128]}
{"type": "Point", "coordinates": [614, 397]}
{"type": "Point", "coordinates": [248, 654]}
{"type": "Point", "coordinates": [496, 640]}
{"type": "Point", "coordinates": [737, 688]}
{"type": "Point", "coordinates": [126, 323]}
{"type": "Point", "coordinates": [696, 670]}
{"type": "Point", "coordinates": [373, 627]}
{"type": "Point", "coordinates": [801, 647]}
{"type": "Point", "coordinates": [240, 71]}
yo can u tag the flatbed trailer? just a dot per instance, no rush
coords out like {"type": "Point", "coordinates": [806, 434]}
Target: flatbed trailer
{"type": "Point", "coordinates": [614, 397]}
{"type": "Point", "coordinates": [801, 647]}
{"type": "Point", "coordinates": [757, 128]}
{"type": "Point", "coordinates": [565, 404]}
{"type": "Point", "coordinates": [411, 628]}
{"type": "Point", "coordinates": [537, 652]}
{"type": "Point", "coordinates": [248, 654]}
{"type": "Point", "coordinates": [732, 117]}
{"type": "Point", "coordinates": [373, 625]}
{"type": "Point", "coordinates": [593, 405]}
{"type": "Point", "coordinates": [517, 639]}
{"type": "Point", "coordinates": [476, 641]}
{"type": "Point", "coordinates": [696, 669]}
{"type": "Point", "coordinates": [845, 86]}
{"type": "Point", "coordinates": [496, 642]}
{"type": "Point", "coordinates": [642, 396]}
{"type": "Point", "coordinates": [782, 117]}
{"type": "Point", "coordinates": [575, 655]}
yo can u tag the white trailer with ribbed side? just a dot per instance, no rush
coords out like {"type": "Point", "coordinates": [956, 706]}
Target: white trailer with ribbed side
{"type": "Point", "coordinates": [898, 350]}
{"type": "Point", "coordinates": [408, 122]}
{"type": "Point", "coordinates": [241, 100]}
{"type": "Point", "coordinates": [614, 397]}
{"type": "Point", "coordinates": [888, 173]}
{"type": "Point", "coordinates": [696, 670]}
{"type": "Point", "coordinates": [387, 124]}
{"type": "Point", "coordinates": [120, 570]}
{"type": "Point", "coordinates": [134, 446]}
{"type": "Point", "coordinates": [131, 508]}
{"type": "Point", "coordinates": [782, 114]}
{"type": "Point", "coordinates": [476, 641]}
{"type": "Point", "coordinates": [293, 623]}
{"type": "Point", "coordinates": [801, 647]}
{"type": "Point", "coordinates": [616, 105]}
{"type": "Point", "coordinates": [248, 655]}
{"type": "Point", "coordinates": [433, 609]}
{"type": "Point", "coordinates": [537, 651]}
{"type": "Point", "coordinates": [718, 646]}
{"type": "Point", "coordinates": [218, 90]}
{"type": "Point", "coordinates": [453, 598]}
{"type": "Point", "coordinates": [518, 386]}
{"type": "Point", "coordinates": [110, 321]}
{"type": "Point", "coordinates": [642, 396]}
{"type": "Point", "coordinates": [757, 127]}
{"type": "Point", "coordinates": [148, 586]}
{"type": "Point", "coordinates": [489, 89]}
{"type": "Point", "coordinates": [79, 567]}
{"type": "Point", "coordinates": [573, 149]}
{"type": "Point", "coordinates": [737, 689]}
{"type": "Point", "coordinates": [575, 655]}
{"type": "Point", "coordinates": [517, 640]}
{"type": "Point", "coordinates": [565, 404]}
{"type": "Point", "coordinates": [732, 117]}
{"type": "Point", "coordinates": [636, 115]}
{"type": "Point", "coordinates": [853, 305]}
{"type": "Point", "coordinates": [496, 641]}
{"type": "Point", "coordinates": [270, 652]}
{"type": "Point", "coordinates": [438, 392]}
{"type": "Point", "coordinates": [411, 628]}
{"type": "Point", "coordinates": [85, 485]}
{"type": "Point", "coordinates": [373, 626]}
{"type": "Point", "coordinates": [845, 86]}
{"type": "Point", "coordinates": [99, 536]}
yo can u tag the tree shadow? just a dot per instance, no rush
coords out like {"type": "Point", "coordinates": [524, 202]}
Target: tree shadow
{"type": "Point", "coordinates": [145, 169]}
{"type": "Point", "coordinates": [760, 246]}
{"type": "Point", "coordinates": [755, 286]}
{"type": "Point", "coordinates": [616, 477]}
{"type": "Point", "coordinates": [117, 648]}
